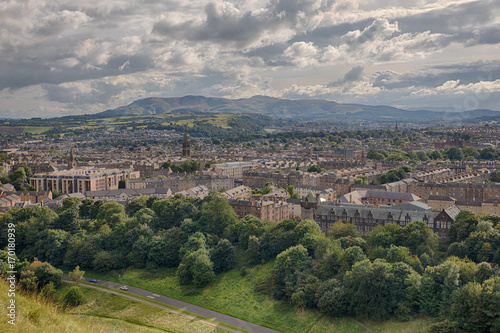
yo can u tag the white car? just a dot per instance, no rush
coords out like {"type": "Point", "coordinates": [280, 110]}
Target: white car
{"type": "Point", "coordinates": [123, 288]}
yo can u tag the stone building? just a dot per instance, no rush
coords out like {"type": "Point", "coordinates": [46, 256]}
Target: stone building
{"type": "Point", "coordinates": [259, 179]}
{"type": "Point", "coordinates": [378, 198]}
{"type": "Point", "coordinates": [234, 170]}
{"type": "Point", "coordinates": [270, 207]}
{"type": "Point", "coordinates": [368, 217]}
{"type": "Point", "coordinates": [181, 182]}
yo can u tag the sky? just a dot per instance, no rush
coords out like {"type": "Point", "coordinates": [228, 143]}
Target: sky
{"type": "Point", "coordinates": [61, 57]}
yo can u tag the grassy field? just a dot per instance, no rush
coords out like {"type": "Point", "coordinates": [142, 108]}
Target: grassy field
{"type": "Point", "coordinates": [102, 312]}
{"type": "Point", "coordinates": [234, 294]}
{"type": "Point", "coordinates": [36, 129]}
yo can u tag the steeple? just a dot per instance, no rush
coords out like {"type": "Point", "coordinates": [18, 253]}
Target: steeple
{"type": "Point", "coordinates": [396, 129]}
{"type": "Point", "coordinates": [186, 147]}
{"type": "Point", "coordinates": [71, 160]}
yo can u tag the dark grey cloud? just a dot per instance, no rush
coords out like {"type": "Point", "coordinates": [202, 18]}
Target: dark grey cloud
{"type": "Point", "coordinates": [436, 76]}
{"type": "Point", "coordinates": [355, 74]}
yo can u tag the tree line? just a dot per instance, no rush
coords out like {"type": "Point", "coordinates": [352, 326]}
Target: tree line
{"type": "Point", "coordinates": [396, 271]}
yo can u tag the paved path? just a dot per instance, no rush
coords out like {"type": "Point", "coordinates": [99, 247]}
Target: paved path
{"type": "Point", "coordinates": [220, 317]}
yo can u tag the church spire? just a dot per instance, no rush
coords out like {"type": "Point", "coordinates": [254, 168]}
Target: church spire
{"type": "Point", "coordinates": [186, 147]}
{"type": "Point", "coordinates": [71, 160]}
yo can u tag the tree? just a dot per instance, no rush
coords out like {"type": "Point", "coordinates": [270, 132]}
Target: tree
{"type": "Point", "coordinates": [68, 221]}
{"type": "Point", "coordinates": [105, 261]}
{"type": "Point", "coordinates": [73, 297]}
{"type": "Point", "coordinates": [291, 193]}
{"type": "Point", "coordinates": [465, 223]}
{"type": "Point", "coordinates": [333, 302]}
{"type": "Point", "coordinates": [196, 268]}
{"type": "Point", "coordinates": [217, 215]}
{"type": "Point", "coordinates": [252, 252]}
{"type": "Point", "coordinates": [76, 275]}
{"type": "Point", "coordinates": [246, 227]}
{"type": "Point", "coordinates": [354, 254]}
{"type": "Point", "coordinates": [466, 308]}
{"type": "Point", "coordinates": [139, 252]}
{"type": "Point", "coordinates": [340, 229]}
{"type": "Point", "coordinates": [85, 208]}
{"type": "Point", "coordinates": [111, 213]}
{"type": "Point", "coordinates": [290, 265]}
{"type": "Point", "coordinates": [314, 168]}
{"type": "Point", "coordinates": [361, 180]}
{"type": "Point", "coordinates": [51, 246]}
{"type": "Point", "coordinates": [164, 250]}
{"type": "Point", "coordinates": [137, 204]}
{"type": "Point", "coordinates": [190, 166]}
{"type": "Point", "coordinates": [47, 273]}
{"type": "Point", "coordinates": [368, 286]}
{"type": "Point", "coordinates": [223, 256]}
{"type": "Point", "coordinates": [202, 269]}
{"type": "Point", "coordinates": [454, 154]}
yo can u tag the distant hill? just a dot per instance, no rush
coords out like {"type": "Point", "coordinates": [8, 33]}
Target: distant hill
{"type": "Point", "coordinates": [312, 109]}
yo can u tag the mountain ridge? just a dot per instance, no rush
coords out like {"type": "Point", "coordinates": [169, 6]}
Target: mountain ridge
{"type": "Point", "coordinates": [301, 109]}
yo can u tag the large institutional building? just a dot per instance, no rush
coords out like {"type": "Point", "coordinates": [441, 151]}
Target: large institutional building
{"type": "Point", "coordinates": [81, 180]}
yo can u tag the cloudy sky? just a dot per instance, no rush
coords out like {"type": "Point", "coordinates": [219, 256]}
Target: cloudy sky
{"type": "Point", "coordinates": [61, 57]}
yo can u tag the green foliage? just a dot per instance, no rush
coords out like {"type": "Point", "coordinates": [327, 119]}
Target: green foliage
{"type": "Point", "coordinates": [48, 291]}
{"type": "Point", "coordinates": [137, 204]}
{"type": "Point", "coordinates": [111, 213]}
{"type": "Point", "coordinates": [73, 297]}
{"type": "Point", "coordinates": [223, 256]}
{"type": "Point", "coordinates": [188, 166]}
{"type": "Point", "coordinates": [202, 269]}
{"type": "Point", "coordinates": [46, 273]}
{"type": "Point", "coordinates": [76, 275]}
{"type": "Point", "coordinates": [395, 175]}
{"type": "Point", "coordinates": [466, 308]}
{"type": "Point", "coordinates": [314, 168]}
{"type": "Point", "coordinates": [291, 193]}
{"type": "Point", "coordinates": [465, 223]}
{"type": "Point", "coordinates": [369, 287]}
{"type": "Point", "coordinates": [105, 261]}
{"type": "Point", "coordinates": [290, 265]}
{"type": "Point", "coordinates": [444, 326]}
{"type": "Point", "coordinates": [171, 212]}
{"type": "Point", "coordinates": [197, 268]}
{"type": "Point", "coordinates": [333, 302]}
{"type": "Point", "coordinates": [246, 227]}
{"type": "Point", "coordinates": [340, 229]}
{"type": "Point", "coordinates": [217, 215]}
{"type": "Point", "coordinates": [361, 180]}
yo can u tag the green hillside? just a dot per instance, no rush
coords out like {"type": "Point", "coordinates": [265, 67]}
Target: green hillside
{"type": "Point", "coordinates": [102, 312]}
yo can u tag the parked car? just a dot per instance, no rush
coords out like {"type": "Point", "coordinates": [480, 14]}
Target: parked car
{"type": "Point", "coordinates": [93, 280]}
{"type": "Point", "coordinates": [123, 288]}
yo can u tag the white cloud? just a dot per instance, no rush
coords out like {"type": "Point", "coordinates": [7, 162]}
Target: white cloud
{"type": "Point", "coordinates": [93, 54]}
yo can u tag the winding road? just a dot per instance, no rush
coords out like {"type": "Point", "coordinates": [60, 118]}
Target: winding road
{"type": "Point", "coordinates": [198, 310]}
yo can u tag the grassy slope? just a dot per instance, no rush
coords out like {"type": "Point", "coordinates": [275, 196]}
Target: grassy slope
{"type": "Point", "coordinates": [102, 312]}
{"type": "Point", "coordinates": [233, 294]}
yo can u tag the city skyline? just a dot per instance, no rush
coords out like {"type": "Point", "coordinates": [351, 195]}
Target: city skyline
{"type": "Point", "coordinates": [60, 58]}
